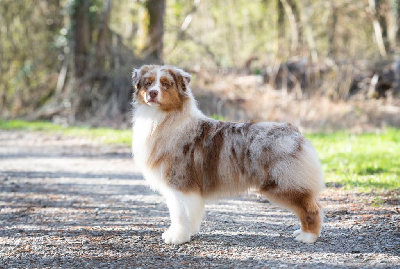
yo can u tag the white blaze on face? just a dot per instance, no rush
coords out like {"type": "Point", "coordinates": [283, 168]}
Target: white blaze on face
{"type": "Point", "coordinates": [156, 87]}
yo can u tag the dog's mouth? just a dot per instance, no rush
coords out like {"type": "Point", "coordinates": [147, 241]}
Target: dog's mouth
{"type": "Point", "coordinates": [152, 101]}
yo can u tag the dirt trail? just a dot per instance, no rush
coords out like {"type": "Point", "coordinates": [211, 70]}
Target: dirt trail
{"type": "Point", "coordinates": [71, 203]}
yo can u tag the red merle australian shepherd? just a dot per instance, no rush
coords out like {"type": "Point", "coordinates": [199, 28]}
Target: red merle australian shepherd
{"type": "Point", "coordinates": [191, 159]}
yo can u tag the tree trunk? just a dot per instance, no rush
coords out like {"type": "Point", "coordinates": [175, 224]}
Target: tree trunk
{"type": "Point", "coordinates": [103, 27]}
{"type": "Point", "coordinates": [387, 23]}
{"type": "Point", "coordinates": [332, 30]}
{"type": "Point", "coordinates": [156, 10]}
{"type": "Point", "coordinates": [80, 24]}
{"type": "Point", "coordinates": [305, 22]}
{"type": "Point", "coordinates": [281, 21]}
{"type": "Point", "coordinates": [292, 12]}
{"type": "Point", "coordinates": [391, 24]}
{"type": "Point", "coordinates": [377, 26]}
{"type": "Point", "coordinates": [398, 22]}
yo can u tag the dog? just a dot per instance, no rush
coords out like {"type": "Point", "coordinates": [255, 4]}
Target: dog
{"type": "Point", "coordinates": [191, 159]}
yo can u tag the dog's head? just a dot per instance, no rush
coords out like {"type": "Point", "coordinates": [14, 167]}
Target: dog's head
{"type": "Point", "coordinates": [164, 87]}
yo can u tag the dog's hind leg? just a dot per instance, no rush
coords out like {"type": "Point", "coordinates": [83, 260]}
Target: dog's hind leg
{"type": "Point", "coordinates": [307, 209]}
{"type": "Point", "coordinates": [186, 212]}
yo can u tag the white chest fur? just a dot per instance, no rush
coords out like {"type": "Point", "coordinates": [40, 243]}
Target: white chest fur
{"type": "Point", "coordinates": [145, 122]}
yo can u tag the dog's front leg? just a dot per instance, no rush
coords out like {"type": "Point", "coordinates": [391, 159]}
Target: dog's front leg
{"type": "Point", "coordinates": [182, 209]}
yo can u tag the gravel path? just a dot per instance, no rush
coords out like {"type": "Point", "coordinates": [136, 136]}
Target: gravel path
{"type": "Point", "coordinates": [71, 203]}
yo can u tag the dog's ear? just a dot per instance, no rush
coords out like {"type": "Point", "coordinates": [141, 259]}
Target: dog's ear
{"type": "Point", "coordinates": [184, 78]}
{"type": "Point", "coordinates": [136, 74]}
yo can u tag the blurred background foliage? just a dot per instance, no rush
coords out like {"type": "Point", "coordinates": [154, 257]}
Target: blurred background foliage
{"type": "Point", "coordinates": [71, 60]}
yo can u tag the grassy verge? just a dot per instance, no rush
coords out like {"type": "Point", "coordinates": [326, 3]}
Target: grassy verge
{"type": "Point", "coordinates": [365, 162]}
{"type": "Point", "coordinates": [105, 135]}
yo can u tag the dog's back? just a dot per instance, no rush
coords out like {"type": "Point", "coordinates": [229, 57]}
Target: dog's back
{"type": "Point", "coordinates": [218, 158]}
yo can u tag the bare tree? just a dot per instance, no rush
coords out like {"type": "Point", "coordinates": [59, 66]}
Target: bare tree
{"type": "Point", "coordinates": [80, 25]}
{"type": "Point", "coordinates": [156, 10]}
{"type": "Point", "coordinates": [397, 11]}
{"type": "Point", "coordinates": [305, 21]}
{"type": "Point", "coordinates": [332, 28]}
{"type": "Point", "coordinates": [281, 20]}
{"type": "Point", "coordinates": [379, 36]}
{"type": "Point", "coordinates": [293, 14]}
{"type": "Point", "coordinates": [103, 27]}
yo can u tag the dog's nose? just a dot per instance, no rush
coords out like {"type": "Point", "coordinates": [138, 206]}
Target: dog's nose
{"type": "Point", "coordinates": [153, 94]}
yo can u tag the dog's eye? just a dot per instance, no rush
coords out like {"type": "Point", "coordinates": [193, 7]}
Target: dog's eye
{"type": "Point", "coordinates": [147, 83]}
{"type": "Point", "coordinates": [165, 84]}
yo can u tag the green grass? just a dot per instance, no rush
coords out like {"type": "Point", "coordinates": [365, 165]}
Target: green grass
{"type": "Point", "coordinates": [365, 162]}
{"type": "Point", "coordinates": [105, 135]}
{"type": "Point", "coordinates": [218, 117]}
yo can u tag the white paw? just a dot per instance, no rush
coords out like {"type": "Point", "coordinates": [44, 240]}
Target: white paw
{"type": "Point", "coordinates": [297, 232]}
{"type": "Point", "coordinates": [175, 236]}
{"type": "Point", "coordinates": [305, 237]}
{"type": "Point", "coordinates": [195, 229]}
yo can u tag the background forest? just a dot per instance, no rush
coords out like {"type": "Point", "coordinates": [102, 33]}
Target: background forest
{"type": "Point", "coordinates": [323, 65]}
